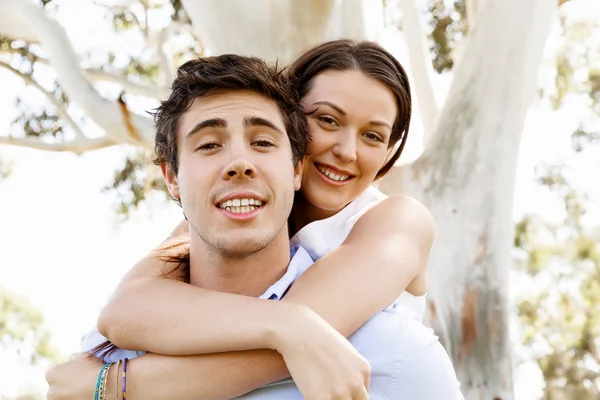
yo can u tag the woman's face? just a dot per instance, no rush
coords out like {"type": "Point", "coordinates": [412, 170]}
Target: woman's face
{"type": "Point", "coordinates": [350, 128]}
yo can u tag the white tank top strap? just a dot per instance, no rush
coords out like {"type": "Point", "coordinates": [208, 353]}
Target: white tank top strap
{"type": "Point", "coordinates": [322, 236]}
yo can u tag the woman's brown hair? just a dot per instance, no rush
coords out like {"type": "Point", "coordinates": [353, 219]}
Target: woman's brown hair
{"type": "Point", "coordinates": [372, 60]}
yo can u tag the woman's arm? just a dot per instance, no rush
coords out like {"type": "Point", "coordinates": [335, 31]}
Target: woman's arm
{"type": "Point", "coordinates": [385, 250]}
{"type": "Point", "coordinates": [212, 376]}
{"type": "Point", "coordinates": [332, 370]}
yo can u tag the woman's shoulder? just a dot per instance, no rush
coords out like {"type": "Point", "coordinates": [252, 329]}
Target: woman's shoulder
{"type": "Point", "coordinates": [401, 211]}
{"type": "Point", "coordinates": [404, 205]}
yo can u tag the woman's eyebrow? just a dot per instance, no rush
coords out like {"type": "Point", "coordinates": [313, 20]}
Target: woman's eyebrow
{"type": "Point", "coordinates": [330, 104]}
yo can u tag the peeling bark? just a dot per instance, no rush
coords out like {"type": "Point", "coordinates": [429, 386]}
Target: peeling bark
{"type": "Point", "coordinates": [466, 178]}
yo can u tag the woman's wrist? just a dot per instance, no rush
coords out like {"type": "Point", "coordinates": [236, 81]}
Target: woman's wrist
{"type": "Point", "coordinates": [287, 325]}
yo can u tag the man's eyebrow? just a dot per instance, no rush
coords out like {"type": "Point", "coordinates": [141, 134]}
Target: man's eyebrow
{"type": "Point", "coordinates": [258, 121]}
{"type": "Point", "coordinates": [209, 123]}
{"type": "Point", "coordinates": [342, 112]}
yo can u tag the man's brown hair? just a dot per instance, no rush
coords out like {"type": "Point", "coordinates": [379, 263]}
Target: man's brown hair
{"type": "Point", "coordinates": [205, 76]}
{"type": "Point", "coordinates": [200, 78]}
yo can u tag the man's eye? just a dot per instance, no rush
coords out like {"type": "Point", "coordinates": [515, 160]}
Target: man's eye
{"type": "Point", "coordinates": [263, 143]}
{"type": "Point", "coordinates": [208, 146]}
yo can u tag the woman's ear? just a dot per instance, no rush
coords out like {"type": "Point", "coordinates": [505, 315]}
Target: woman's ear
{"type": "Point", "coordinates": [298, 174]}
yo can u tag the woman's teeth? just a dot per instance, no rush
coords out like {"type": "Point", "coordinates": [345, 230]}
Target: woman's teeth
{"type": "Point", "coordinates": [332, 175]}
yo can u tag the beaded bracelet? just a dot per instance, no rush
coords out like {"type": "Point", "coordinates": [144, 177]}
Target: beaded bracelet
{"type": "Point", "coordinates": [99, 392]}
{"type": "Point", "coordinates": [117, 380]}
{"type": "Point", "coordinates": [124, 379]}
{"type": "Point", "coordinates": [103, 392]}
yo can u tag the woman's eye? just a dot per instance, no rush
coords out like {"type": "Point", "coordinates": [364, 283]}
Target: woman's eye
{"type": "Point", "coordinates": [373, 136]}
{"type": "Point", "coordinates": [263, 143]}
{"type": "Point", "coordinates": [328, 120]}
{"type": "Point", "coordinates": [208, 146]}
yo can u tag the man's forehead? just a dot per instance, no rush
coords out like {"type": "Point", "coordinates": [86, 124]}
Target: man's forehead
{"type": "Point", "coordinates": [233, 107]}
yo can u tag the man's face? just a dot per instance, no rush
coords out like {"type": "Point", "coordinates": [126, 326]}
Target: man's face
{"type": "Point", "coordinates": [236, 178]}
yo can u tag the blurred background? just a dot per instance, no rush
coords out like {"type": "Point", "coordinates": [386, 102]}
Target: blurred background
{"type": "Point", "coordinates": [503, 150]}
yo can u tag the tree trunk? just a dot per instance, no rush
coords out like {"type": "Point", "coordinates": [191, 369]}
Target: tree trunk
{"type": "Point", "coordinates": [466, 178]}
{"type": "Point", "coordinates": [281, 30]}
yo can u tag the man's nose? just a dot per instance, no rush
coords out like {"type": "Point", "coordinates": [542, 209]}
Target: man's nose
{"type": "Point", "coordinates": [238, 168]}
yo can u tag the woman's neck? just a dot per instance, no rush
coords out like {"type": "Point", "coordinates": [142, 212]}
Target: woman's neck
{"type": "Point", "coordinates": [304, 213]}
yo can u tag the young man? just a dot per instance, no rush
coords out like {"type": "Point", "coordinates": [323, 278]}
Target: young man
{"type": "Point", "coordinates": [229, 141]}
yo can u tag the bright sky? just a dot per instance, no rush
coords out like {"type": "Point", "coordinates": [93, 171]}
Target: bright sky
{"type": "Point", "coordinates": [59, 245]}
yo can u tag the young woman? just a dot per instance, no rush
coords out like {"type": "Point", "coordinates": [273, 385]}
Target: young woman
{"type": "Point", "coordinates": [370, 250]}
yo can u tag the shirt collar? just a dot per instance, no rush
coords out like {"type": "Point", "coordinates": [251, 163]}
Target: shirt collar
{"type": "Point", "coordinates": [300, 261]}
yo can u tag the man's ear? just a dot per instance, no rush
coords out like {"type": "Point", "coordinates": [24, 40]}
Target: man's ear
{"type": "Point", "coordinates": [298, 174]}
{"type": "Point", "coordinates": [170, 180]}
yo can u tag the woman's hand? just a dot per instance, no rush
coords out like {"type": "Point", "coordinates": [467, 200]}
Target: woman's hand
{"type": "Point", "coordinates": [75, 379]}
{"type": "Point", "coordinates": [323, 364]}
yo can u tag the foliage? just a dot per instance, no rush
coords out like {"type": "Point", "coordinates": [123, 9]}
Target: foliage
{"type": "Point", "coordinates": [561, 319]}
{"type": "Point", "coordinates": [22, 327]}
{"type": "Point", "coordinates": [140, 65]}
{"type": "Point", "coordinates": [134, 181]}
{"type": "Point", "coordinates": [5, 169]}
{"type": "Point", "coordinates": [448, 24]}
{"type": "Point", "coordinates": [577, 61]}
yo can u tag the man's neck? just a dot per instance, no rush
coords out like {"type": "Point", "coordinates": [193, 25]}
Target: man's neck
{"type": "Point", "coordinates": [250, 276]}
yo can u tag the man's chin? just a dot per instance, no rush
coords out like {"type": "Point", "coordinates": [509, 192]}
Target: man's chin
{"type": "Point", "coordinates": [241, 247]}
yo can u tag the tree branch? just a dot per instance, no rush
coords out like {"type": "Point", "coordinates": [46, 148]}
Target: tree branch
{"type": "Point", "coordinates": [421, 65]}
{"type": "Point", "coordinates": [77, 146]}
{"type": "Point", "coordinates": [26, 20]}
{"type": "Point", "coordinates": [59, 106]}
{"type": "Point", "coordinates": [145, 28]}
{"type": "Point", "coordinates": [163, 37]}
{"type": "Point", "coordinates": [165, 62]}
{"type": "Point", "coordinates": [473, 8]}
{"type": "Point", "coordinates": [139, 89]}
{"type": "Point", "coordinates": [99, 75]}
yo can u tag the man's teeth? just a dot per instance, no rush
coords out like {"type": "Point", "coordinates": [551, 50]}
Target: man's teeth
{"type": "Point", "coordinates": [332, 175]}
{"type": "Point", "coordinates": [241, 206]}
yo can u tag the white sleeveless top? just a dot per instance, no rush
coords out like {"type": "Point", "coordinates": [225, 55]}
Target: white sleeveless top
{"type": "Point", "coordinates": [321, 237]}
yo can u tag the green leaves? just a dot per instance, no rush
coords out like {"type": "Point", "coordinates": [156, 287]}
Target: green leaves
{"type": "Point", "coordinates": [561, 321]}
{"type": "Point", "coordinates": [134, 181]}
{"type": "Point", "coordinates": [448, 23]}
{"type": "Point", "coordinates": [22, 327]}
